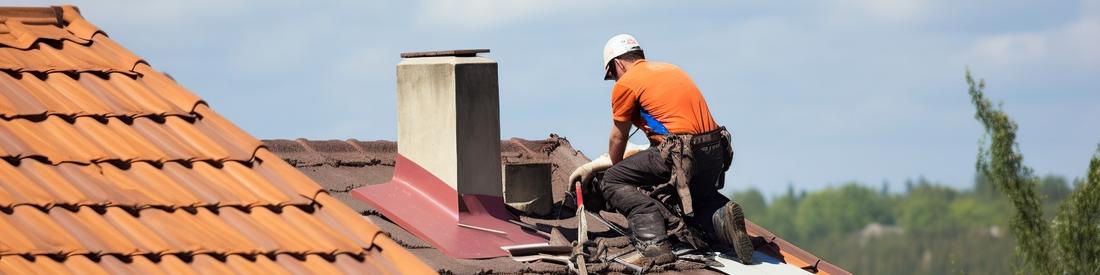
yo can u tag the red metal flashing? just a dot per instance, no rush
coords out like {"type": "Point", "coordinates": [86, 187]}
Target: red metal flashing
{"type": "Point", "coordinates": [427, 207]}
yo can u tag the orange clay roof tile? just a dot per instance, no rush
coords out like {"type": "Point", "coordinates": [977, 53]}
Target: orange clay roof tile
{"type": "Point", "coordinates": [27, 94]}
{"type": "Point", "coordinates": [108, 166]}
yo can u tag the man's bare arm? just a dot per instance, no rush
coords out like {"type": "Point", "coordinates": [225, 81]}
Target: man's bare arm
{"type": "Point", "coordinates": [617, 140]}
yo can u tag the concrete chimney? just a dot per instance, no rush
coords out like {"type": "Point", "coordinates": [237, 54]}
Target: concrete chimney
{"type": "Point", "coordinates": [446, 185]}
{"type": "Point", "coordinates": [448, 117]}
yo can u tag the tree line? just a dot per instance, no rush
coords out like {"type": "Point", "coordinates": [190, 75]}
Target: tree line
{"type": "Point", "coordinates": [1010, 221]}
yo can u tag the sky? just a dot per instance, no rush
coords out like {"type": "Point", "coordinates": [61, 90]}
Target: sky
{"type": "Point", "coordinates": [817, 93]}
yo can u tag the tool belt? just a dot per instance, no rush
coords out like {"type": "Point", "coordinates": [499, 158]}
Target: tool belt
{"type": "Point", "coordinates": [678, 152]}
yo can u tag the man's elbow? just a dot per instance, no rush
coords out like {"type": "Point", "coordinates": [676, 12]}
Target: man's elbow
{"type": "Point", "coordinates": [620, 128]}
{"type": "Point", "coordinates": [617, 135]}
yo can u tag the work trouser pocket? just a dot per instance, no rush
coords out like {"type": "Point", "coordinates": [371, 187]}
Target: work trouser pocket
{"type": "Point", "coordinates": [709, 166]}
{"type": "Point", "coordinates": [727, 157]}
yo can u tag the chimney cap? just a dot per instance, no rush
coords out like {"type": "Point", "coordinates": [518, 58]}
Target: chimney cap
{"type": "Point", "coordinates": [457, 53]}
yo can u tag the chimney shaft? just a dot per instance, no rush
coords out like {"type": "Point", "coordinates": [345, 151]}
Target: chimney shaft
{"type": "Point", "coordinates": [447, 177]}
{"type": "Point", "coordinates": [448, 113]}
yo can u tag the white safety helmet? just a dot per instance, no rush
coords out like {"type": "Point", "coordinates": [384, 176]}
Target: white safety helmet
{"type": "Point", "coordinates": [616, 46]}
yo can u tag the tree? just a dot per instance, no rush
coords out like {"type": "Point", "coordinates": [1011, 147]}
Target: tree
{"type": "Point", "coordinates": [1003, 165]}
{"type": "Point", "coordinates": [1054, 187]}
{"type": "Point", "coordinates": [752, 201]}
{"type": "Point", "coordinates": [922, 211]}
{"type": "Point", "coordinates": [1078, 224]}
{"type": "Point", "coordinates": [778, 216]}
{"type": "Point", "coordinates": [1076, 228]}
{"type": "Point", "coordinates": [839, 210]}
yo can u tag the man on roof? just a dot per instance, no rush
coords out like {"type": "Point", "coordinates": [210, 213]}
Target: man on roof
{"type": "Point", "coordinates": [669, 191]}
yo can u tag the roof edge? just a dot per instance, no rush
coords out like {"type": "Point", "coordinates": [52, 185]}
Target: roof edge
{"type": "Point", "coordinates": [809, 261]}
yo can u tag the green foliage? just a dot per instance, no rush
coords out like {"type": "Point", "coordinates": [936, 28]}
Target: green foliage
{"type": "Point", "coordinates": [945, 231]}
{"type": "Point", "coordinates": [752, 201]}
{"type": "Point", "coordinates": [1003, 165]}
{"type": "Point", "coordinates": [1074, 247]}
{"type": "Point", "coordinates": [932, 229]}
{"type": "Point", "coordinates": [973, 212]}
{"type": "Point", "coordinates": [984, 188]}
{"type": "Point", "coordinates": [778, 215]}
{"type": "Point", "coordinates": [1054, 188]}
{"type": "Point", "coordinates": [923, 210]}
{"type": "Point", "coordinates": [1077, 229]}
{"type": "Point", "coordinates": [843, 209]}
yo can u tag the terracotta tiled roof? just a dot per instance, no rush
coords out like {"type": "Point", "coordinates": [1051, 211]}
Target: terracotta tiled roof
{"type": "Point", "coordinates": [109, 166]}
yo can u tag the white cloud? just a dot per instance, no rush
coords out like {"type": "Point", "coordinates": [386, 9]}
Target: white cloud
{"type": "Point", "coordinates": [892, 10]}
{"type": "Point", "coordinates": [1076, 43]}
{"type": "Point", "coordinates": [1012, 48]}
{"type": "Point", "coordinates": [1083, 38]}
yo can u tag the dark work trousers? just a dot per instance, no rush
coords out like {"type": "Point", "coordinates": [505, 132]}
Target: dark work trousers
{"type": "Point", "coordinates": [647, 168]}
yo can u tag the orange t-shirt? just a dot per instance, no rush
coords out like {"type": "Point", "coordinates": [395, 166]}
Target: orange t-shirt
{"type": "Point", "coordinates": [660, 95]}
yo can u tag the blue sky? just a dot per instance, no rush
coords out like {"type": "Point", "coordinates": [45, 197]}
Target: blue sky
{"type": "Point", "coordinates": [816, 92]}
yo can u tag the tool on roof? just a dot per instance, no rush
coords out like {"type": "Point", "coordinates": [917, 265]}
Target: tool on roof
{"type": "Point", "coordinates": [531, 228]}
{"type": "Point", "coordinates": [629, 252]}
{"type": "Point", "coordinates": [637, 269]}
{"type": "Point", "coordinates": [582, 233]}
{"type": "Point", "coordinates": [614, 227]}
{"type": "Point", "coordinates": [536, 248]}
{"type": "Point", "coordinates": [562, 259]}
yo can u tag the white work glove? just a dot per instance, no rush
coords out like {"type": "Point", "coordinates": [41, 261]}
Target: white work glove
{"type": "Point", "coordinates": [583, 174]}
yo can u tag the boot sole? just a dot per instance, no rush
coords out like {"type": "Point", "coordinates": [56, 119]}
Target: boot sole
{"type": "Point", "coordinates": [738, 237]}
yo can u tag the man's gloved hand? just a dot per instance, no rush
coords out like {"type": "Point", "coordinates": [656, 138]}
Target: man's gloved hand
{"type": "Point", "coordinates": [583, 174]}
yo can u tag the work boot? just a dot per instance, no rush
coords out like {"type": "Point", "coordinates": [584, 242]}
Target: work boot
{"type": "Point", "coordinates": [651, 238]}
{"type": "Point", "coordinates": [729, 230]}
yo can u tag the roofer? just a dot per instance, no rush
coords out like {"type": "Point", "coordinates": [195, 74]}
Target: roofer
{"type": "Point", "coordinates": [672, 186]}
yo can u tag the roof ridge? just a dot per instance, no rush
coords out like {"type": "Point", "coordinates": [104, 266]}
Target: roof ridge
{"type": "Point", "coordinates": [67, 17]}
{"type": "Point", "coordinates": [187, 256]}
{"type": "Point", "coordinates": [136, 209]}
{"type": "Point", "coordinates": [51, 14]}
{"type": "Point", "coordinates": [98, 117]}
{"type": "Point", "coordinates": [77, 70]}
{"type": "Point", "coordinates": [217, 163]}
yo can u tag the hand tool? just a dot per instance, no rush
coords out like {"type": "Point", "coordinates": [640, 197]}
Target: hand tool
{"type": "Point", "coordinates": [582, 233]}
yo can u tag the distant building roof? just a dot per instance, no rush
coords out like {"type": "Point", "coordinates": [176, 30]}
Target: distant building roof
{"type": "Point", "coordinates": [109, 166]}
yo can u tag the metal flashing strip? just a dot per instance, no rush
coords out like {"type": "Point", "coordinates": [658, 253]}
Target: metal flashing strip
{"type": "Point", "coordinates": [424, 205]}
